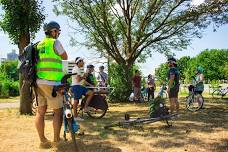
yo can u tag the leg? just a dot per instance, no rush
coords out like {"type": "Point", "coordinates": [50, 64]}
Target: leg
{"type": "Point", "coordinates": [75, 108]}
{"type": "Point", "coordinates": [176, 104]}
{"type": "Point", "coordinates": [89, 95]}
{"type": "Point", "coordinates": [148, 94]}
{"type": "Point", "coordinates": [153, 95]}
{"type": "Point", "coordinates": [172, 105]}
{"type": "Point", "coordinates": [57, 123]}
{"type": "Point", "coordinates": [39, 123]}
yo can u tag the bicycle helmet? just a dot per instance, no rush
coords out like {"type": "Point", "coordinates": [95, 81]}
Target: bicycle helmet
{"type": "Point", "coordinates": [200, 69]}
{"type": "Point", "coordinates": [51, 25]}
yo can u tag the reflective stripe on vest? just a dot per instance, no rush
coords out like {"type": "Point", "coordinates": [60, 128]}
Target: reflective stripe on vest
{"type": "Point", "coordinates": [49, 66]}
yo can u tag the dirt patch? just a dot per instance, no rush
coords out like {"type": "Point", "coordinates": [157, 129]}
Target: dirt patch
{"type": "Point", "coordinates": [206, 130]}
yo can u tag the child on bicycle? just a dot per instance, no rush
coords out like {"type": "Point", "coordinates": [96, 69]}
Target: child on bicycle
{"type": "Point", "coordinates": [78, 89]}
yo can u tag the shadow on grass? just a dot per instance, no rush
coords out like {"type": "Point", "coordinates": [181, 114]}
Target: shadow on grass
{"type": "Point", "coordinates": [87, 143]}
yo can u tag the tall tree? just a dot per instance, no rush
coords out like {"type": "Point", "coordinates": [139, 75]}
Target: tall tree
{"type": "Point", "coordinates": [128, 29]}
{"type": "Point", "coordinates": [21, 20]}
{"type": "Point", "coordinates": [182, 65]}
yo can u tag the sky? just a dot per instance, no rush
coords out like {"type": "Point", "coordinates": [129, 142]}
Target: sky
{"type": "Point", "coordinates": [210, 40]}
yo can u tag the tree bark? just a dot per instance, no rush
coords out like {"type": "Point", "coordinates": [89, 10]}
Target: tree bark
{"type": "Point", "coordinates": [25, 93]}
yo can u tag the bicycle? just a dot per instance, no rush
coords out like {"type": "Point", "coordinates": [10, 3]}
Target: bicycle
{"type": "Point", "coordinates": [194, 101]}
{"type": "Point", "coordinates": [162, 114]}
{"type": "Point", "coordinates": [220, 93]}
{"type": "Point", "coordinates": [70, 125]}
{"type": "Point", "coordinates": [98, 106]}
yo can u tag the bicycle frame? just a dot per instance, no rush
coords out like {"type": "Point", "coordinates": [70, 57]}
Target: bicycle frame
{"type": "Point", "coordinates": [68, 114]}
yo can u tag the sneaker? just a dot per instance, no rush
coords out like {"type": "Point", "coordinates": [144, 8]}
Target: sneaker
{"type": "Point", "coordinates": [78, 119]}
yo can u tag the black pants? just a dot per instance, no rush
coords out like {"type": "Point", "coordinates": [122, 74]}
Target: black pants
{"type": "Point", "coordinates": [150, 93]}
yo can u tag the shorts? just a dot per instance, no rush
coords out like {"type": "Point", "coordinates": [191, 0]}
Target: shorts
{"type": "Point", "coordinates": [137, 92]}
{"type": "Point", "coordinates": [174, 92]}
{"type": "Point", "coordinates": [44, 97]}
{"type": "Point", "coordinates": [78, 91]}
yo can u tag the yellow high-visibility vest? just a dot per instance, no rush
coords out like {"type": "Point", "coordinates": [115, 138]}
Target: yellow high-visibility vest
{"type": "Point", "coordinates": [49, 66]}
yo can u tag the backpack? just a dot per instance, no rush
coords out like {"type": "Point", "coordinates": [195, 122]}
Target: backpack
{"type": "Point", "coordinates": [28, 60]}
{"type": "Point", "coordinates": [27, 67]}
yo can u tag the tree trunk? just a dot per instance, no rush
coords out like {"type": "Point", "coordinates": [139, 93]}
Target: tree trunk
{"type": "Point", "coordinates": [25, 94]}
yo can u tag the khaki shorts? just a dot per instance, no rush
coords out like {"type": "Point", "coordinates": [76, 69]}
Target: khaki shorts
{"type": "Point", "coordinates": [45, 98]}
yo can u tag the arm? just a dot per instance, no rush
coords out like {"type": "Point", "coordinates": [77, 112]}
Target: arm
{"type": "Point", "coordinates": [60, 50]}
{"type": "Point", "coordinates": [64, 56]}
{"type": "Point", "coordinates": [171, 81]}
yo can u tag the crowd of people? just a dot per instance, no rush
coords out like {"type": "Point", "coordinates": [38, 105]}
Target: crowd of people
{"type": "Point", "coordinates": [49, 74]}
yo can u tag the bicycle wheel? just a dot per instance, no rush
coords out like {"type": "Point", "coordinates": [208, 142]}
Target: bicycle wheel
{"type": "Point", "coordinates": [217, 94]}
{"type": "Point", "coordinates": [192, 104]}
{"type": "Point", "coordinates": [69, 121]}
{"type": "Point", "coordinates": [96, 113]}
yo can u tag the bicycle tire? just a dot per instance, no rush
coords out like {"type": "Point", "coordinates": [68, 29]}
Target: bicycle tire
{"type": "Point", "coordinates": [217, 94]}
{"type": "Point", "coordinates": [191, 102]}
{"type": "Point", "coordinates": [96, 113]}
{"type": "Point", "coordinates": [70, 125]}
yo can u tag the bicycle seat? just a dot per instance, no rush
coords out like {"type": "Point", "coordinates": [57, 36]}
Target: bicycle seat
{"type": "Point", "coordinates": [64, 84]}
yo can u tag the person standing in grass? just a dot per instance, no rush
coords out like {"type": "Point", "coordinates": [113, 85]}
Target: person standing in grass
{"type": "Point", "coordinates": [49, 73]}
{"type": "Point", "coordinates": [150, 86]}
{"type": "Point", "coordinates": [173, 84]}
{"type": "Point", "coordinates": [137, 85]}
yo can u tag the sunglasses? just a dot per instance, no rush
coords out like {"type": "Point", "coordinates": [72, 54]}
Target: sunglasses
{"type": "Point", "coordinates": [56, 31]}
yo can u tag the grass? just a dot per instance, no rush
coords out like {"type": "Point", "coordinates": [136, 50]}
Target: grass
{"type": "Point", "coordinates": [10, 99]}
{"type": "Point", "coordinates": [205, 130]}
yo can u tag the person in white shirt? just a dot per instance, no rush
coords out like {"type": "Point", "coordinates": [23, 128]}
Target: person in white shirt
{"type": "Point", "coordinates": [77, 88]}
{"type": "Point", "coordinates": [102, 77]}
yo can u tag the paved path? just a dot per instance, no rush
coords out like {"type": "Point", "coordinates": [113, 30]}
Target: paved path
{"type": "Point", "coordinates": [9, 105]}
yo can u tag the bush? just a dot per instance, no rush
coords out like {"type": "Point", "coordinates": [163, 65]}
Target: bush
{"type": "Point", "coordinates": [14, 89]}
{"type": "Point", "coordinates": [5, 89]}
{"type": "Point", "coordinates": [8, 87]}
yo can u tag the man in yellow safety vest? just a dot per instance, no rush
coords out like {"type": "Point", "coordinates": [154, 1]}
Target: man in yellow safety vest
{"type": "Point", "coordinates": [49, 73]}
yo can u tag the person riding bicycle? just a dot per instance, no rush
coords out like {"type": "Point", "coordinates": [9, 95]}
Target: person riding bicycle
{"type": "Point", "coordinates": [173, 84]}
{"type": "Point", "coordinates": [199, 78]}
{"type": "Point", "coordinates": [90, 80]}
{"type": "Point", "coordinates": [77, 88]}
{"type": "Point", "coordinates": [49, 73]}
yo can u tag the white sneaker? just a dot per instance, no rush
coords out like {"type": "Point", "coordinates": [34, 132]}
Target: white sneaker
{"type": "Point", "coordinates": [78, 119]}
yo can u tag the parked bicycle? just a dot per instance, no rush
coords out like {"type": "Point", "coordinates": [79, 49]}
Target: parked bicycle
{"type": "Point", "coordinates": [70, 125]}
{"type": "Point", "coordinates": [194, 101]}
{"type": "Point", "coordinates": [220, 93]}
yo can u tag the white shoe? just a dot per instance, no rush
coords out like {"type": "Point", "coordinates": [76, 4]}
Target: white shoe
{"type": "Point", "coordinates": [78, 119]}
